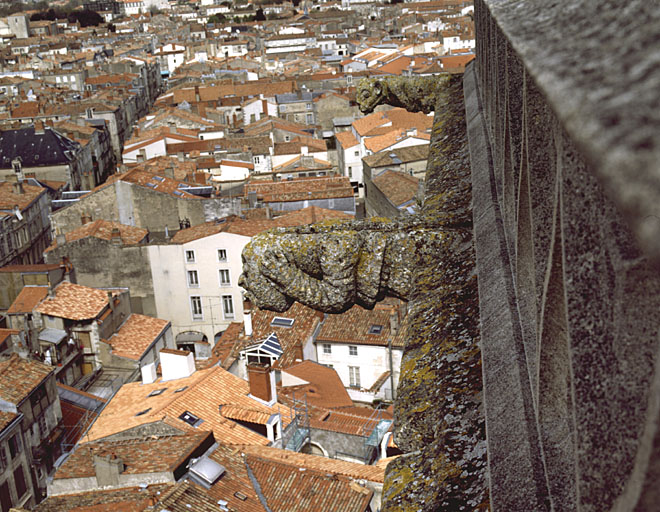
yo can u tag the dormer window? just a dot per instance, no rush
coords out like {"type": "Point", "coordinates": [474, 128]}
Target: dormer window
{"type": "Point", "coordinates": [375, 329]}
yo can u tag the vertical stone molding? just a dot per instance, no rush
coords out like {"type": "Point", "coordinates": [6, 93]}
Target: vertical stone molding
{"type": "Point", "coordinates": [566, 194]}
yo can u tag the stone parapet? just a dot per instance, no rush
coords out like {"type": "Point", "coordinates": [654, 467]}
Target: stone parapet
{"type": "Point", "coordinates": [565, 155]}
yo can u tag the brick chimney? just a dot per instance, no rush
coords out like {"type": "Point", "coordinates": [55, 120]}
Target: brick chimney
{"type": "Point", "coordinates": [262, 383]}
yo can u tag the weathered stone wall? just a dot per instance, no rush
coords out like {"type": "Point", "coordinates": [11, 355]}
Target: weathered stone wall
{"type": "Point", "coordinates": [564, 162]}
{"type": "Point", "coordinates": [438, 411]}
{"type": "Point", "coordinates": [140, 206]}
{"type": "Point", "coordinates": [102, 264]}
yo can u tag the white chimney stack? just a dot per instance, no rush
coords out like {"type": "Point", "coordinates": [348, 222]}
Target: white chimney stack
{"type": "Point", "coordinates": [247, 317]}
{"type": "Point", "coordinates": [148, 373]}
{"type": "Point", "coordinates": [176, 364]}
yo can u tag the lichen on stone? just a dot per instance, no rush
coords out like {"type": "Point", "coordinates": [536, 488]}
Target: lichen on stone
{"type": "Point", "coordinates": [416, 94]}
{"type": "Point", "coordinates": [429, 260]}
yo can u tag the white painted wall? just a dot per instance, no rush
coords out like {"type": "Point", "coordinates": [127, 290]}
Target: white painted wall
{"type": "Point", "coordinates": [373, 361]}
{"type": "Point", "coordinates": [172, 290]}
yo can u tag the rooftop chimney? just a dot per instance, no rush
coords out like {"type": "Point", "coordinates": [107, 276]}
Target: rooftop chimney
{"type": "Point", "coordinates": [262, 383]}
{"type": "Point", "coordinates": [148, 373]}
{"type": "Point", "coordinates": [176, 364]}
{"type": "Point", "coordinates": [115, 236]}
{"type": "Point", "coordinates": [247, 317]}
{"type": "Point", "coordinates": [107, 469]}
{"type": "Point", "coordinates": [394, 323]}
{"type": "Point", "coordinates": [18, 188]}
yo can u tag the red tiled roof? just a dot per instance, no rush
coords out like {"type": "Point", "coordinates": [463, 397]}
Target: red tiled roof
{"type": "Point", "coordinates": [202, 394]}
{"type": "Point", "coordinates": [398, 187]}
{"type": "Point", "coordinates": [301, 189]}
{"type": "Point", "coordinates": [304, 460]}
{"type": "Point", "coordinates": [135, 336]}
{"type": "Point", "coordinates": [6, 418]}
{"type": "Point", "coordinates": [151, 455]}
{"type": "Point", "coordinates": [19, 377]}
{"type": "Point", "coordinates": [75, 302]}
{"type": "Point", "coordinates": [346, 139]}
{"type": "Point", "coordinates": [353, 326]}
{"type": "Point", "coordinates": [9, 199]}
{"type": "Point", "coordinates": [324, 388]}
{"type": "Point", "coordinates": [103, 229]}
{"type": "Point", "coordinates": [288, 489]}
{"type": "Point", "coordinates": [27, 299]}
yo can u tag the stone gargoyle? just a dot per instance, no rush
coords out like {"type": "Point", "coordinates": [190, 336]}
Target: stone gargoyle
{"type": "Point", "coordinates": [330, 266]}
{"type": "Point", "coordinates": [418, 94]}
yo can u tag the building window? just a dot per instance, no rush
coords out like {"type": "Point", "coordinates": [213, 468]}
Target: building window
{"type": "Point", "coordinates": [224, 277]}
{"type": "Point", "coordinates": [327, 348]}
{"type": "Point", "coordinates": [354, 376]}
{"type": "Point", "coordinates": [19, 480]}
{"type": "Point", "coordinates": [352, 350]}
{"type": "Point", "coordinates": [375, 329]}
{"type": "Point", "coordinates": [43, 427]}
{"type": "Point", "coordinates": [190, 256]}
{"type": "Point", "coordinates": [357, 153]}
{"type": "Point", "coordinates": [287, 138]}
{"type": "Point", "coordinates": [3, 457]}
{"type": "Point", "coordinates": [222, 255]}
{"type": "Point", "coordinates": [349, 79]}
{"type": "Point", "coordinates": [228, 306]}
{"type": "Point", "coordinates": [14, 445]}
{"type": "Point", "coordinates": [310, 118]}
{"type": "Point", "coordinates": [256, 159]}
{"type": "Point", "coordinates": [350, 171]}
{"type": "Point", "coordinates": [196, 307]}
{"type": "Point", "coordinates": [309, 106]}
{"type": "Point", "coordinates": [193, 279]}
{"type": "Point", "coordinates": [282, 108]}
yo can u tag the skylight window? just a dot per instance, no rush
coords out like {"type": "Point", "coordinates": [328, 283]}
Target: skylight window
{"type": "Point", "coordinates": [158, 178]}
{"type": "Point", "coordinates": [375, 329]}
{"type": "Point", "coordinates": [181, 389]}
{"type": "Point", "coordinates": [141, 413]}
{"type": "Point", "coordinates": [190, 419]}
{"type": "Point", "coordinates": [280, 321]}
{"type": "Point", "coordinates": [157, 392]}
{"type": "Point", "coordinates": [152, 185]}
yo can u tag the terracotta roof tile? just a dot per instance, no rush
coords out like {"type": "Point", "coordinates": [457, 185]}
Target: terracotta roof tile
{"type": "Point", "coordinates": [317, 462]}
{"type": "Point", "coordinates": [324, 388]}
{"type": "Point", "coordinates": [252, 227]}
{"type": "Point", "coordinates": [301, 189]}
{"type": "Point", "coordinates": [131, 499]}
{"type": "Point", "coordinates": [9, 199]}
{"type": "Point", "coordinates": [103, 229]}
{"type": "Point", "coordinates": [291, 338]}
{"type": "Point", "coordinates": [346, 139]}
{"type": "Point", "coordinates": [135, 335]}
{"type": "Point", "coordinates": [200, 394]}
{"type": "Point", "coordinates": [149, 455]}
{"type": "Point", "coordinates": [288, 489]}
{"type": "Point", "coordinates": [19, 377]}
{"type": "Point", "coordinates": [398, 187]}
{"type": "Point", "coordinates": [6, 418]}
{"type": "Point", "coordinates": [27, 299]}
{"type": "Point", "coordinates": [75, 302]}
{"type": "Point", "coordinates": [353, 327]}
